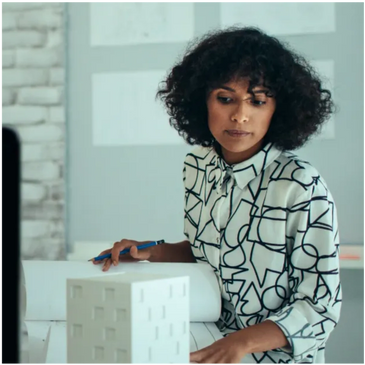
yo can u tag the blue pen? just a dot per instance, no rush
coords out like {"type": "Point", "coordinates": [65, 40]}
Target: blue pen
{"type": "Point", "coordinates": [126, 250]}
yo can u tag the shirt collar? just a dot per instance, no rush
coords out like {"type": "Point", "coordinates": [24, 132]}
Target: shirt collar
{"type": "Point", "coordinates": [245, 171]}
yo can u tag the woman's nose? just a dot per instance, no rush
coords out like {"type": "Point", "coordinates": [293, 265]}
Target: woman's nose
{"type": "Point", "coordinates": [241, 113]}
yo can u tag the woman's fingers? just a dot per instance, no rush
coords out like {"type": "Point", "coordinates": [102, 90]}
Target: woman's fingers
{"type": "Point", "coordinates": [119, 246]}
{"type": "Point", "coordinates": [107, 264]}
{"type": "Point", "coordinates": [133, 255]}
{"type": "Point", "coordinates": [139, 254]}
{"type": "Point", "coordinates": [97, 262]}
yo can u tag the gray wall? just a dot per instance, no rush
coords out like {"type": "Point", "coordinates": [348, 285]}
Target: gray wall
{"type": "Point", "coordinates": [111, 190]}
{"type": "Point", "coordinates": [137, 192]}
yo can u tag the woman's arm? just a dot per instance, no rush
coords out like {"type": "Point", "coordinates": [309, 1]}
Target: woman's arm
{"type": "Point", "coordinates": [314, 305]}
{"type": "Point", "coordinates": [165, 252]}
{"type": "Point", "coordinates": [264, 336]}
{"type": "Point", "coordinates": [260, 337]}
{"type": "Point", "coordinates": [172, 252]}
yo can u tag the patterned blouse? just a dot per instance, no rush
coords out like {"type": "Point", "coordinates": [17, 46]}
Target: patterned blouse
{"type": "Point", "coordinates": [268, 227]}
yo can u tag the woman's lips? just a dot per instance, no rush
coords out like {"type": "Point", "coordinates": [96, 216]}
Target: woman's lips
{"type": "Point", "coordinates": [237, 133]}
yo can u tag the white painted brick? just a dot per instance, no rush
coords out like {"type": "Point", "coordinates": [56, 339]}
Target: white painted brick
{"type": "Point", "coordinates": [43, 211]}
{"type": "Point", "coordinates": [56, 191]}
{"type": "Point", "coordinates": [24, 114]}
{"type": "Point", "coordinates": [20, 4]}
{"type": "Point", "coordinates": [61, 90]}
{"type": "Point", "coordinates": [55, 38]}
{"type": "Point", "coordinates": [42, 152]}
{"type": "Point", "coordinates": [8, 98]}
{"type": "Point", "coordinates": [57, 76]}
{"type": "Point", "coordinates": [43, 249]}
{"type": "Point", "coordinates": [57, 229]}
{"type": "Point", "coordinates": [56, 151]}
{"type": "Point", "coordinates": [25, 77]}
{"type": "Point", "coordinates": [8, 58]}
{"type": "Point", "coordinates": [61, 61]}
{"type": "Point", "coordinates": [57, 114]}
{"type": "Point", "coordinates": [40, 19]}
{"type": "Point", "coordinates": [13, 6]}
{"type": "Point", "coordinates": [40, 171]}
{"type": "Point", "coordinates": [33, 192]}
{"type": "Point", "coordinates": [32, 152]}
{"type": "Point", "coordinates": [30, 38]}
{"type": "Point", "coordinates": [41, 133]}
{"type": "Point", "coordinates": [10, 20]}
{"type": "Point", "coordinates": [38, 57]}
{"type": "Point", "coordinates": [39, 96]}
{"type": "Point", "coordinates": [34, 229]}
{"type": "Point", "coordinates": [62, 170]}
{"type": "Point", "coordinates": [16, 114]}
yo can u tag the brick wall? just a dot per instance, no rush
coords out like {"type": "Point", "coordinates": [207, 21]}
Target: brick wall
{"type": "Point", "coordinates": [33, 104]}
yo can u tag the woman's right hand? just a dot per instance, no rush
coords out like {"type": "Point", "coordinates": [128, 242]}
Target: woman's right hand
{"type": "Point", "coordinates": [132, 256]}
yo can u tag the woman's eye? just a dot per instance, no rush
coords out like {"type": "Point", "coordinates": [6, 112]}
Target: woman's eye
{"type": "Point", "coordinates": [224, 100]}
{"type": "Point", "coordinates": [258, 102]}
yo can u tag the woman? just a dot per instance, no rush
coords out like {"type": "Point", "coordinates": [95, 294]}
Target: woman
{"type": "Point", "coordinates": [261, 217]}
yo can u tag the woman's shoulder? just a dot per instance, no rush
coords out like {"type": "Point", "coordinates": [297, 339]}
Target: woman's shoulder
{"type": "Point", "coordinates": [289, 163]}
{"type": "Point", "coordinates": [295, 175]}
{"type": "Point", "coordinates": [203, 154]}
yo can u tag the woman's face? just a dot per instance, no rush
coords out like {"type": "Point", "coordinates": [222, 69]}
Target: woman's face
{"type": "Point", "coordinates": [237, 121]}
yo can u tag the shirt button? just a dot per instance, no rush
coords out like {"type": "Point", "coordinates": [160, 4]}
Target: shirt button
{"type": "Point", "coordinates": [217, 240]}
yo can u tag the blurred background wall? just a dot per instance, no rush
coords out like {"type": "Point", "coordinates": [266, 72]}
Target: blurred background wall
{"type": "Point", "coordinates": [125, 162]}
{"type": "Point", "coordinates": [34, 105]}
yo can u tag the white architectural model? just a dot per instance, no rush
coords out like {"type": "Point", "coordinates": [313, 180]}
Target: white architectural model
{"type": "Point", "coordinates": [128, 318]}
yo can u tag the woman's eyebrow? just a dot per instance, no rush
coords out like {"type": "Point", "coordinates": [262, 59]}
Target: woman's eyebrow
{"type": "Point", "coordinates": [226, 88]}
{"type": "Point", "coordinates": [261, 91]}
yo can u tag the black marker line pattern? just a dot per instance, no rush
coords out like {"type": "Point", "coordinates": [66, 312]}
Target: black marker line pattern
{"type": "Point", "coordinates": [215, 339]}
{"type": "Point", "coordinates": [268, 227]}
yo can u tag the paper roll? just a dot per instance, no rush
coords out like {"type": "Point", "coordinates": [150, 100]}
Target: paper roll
{"type": "Point", "coordinates": [46, 286]}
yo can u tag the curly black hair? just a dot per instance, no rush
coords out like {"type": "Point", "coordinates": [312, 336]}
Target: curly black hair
{"type": "Point", "coordinates": [224, 55]}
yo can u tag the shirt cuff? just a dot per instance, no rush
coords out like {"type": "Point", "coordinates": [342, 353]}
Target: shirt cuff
{"type": "Point", "coordinates": [299, 333]}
